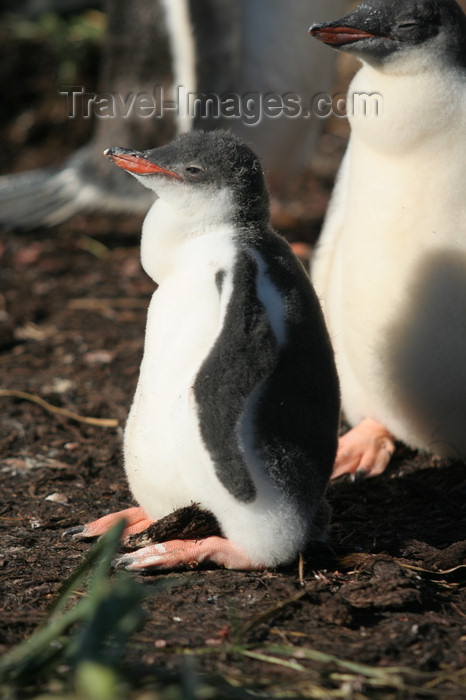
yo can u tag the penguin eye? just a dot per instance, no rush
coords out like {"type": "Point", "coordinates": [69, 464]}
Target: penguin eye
{"type": "Point", "coordinates": [406, 23]}
{"type": "Point", "coordinates": [193, 170]}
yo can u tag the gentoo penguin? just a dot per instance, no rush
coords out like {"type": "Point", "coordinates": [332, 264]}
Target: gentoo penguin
{"type": "Point", "coordinates": [391, 265]}
{"type": "Point", "coordinates": [170, 49]}
{"type": "Point", "coordinates": [237, 404]}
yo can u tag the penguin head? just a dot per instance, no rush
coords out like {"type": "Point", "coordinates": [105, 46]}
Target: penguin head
{"type": "Point", "coordinates": [382, 31]}
{"type": "Point", "coordinates": [206, 172]}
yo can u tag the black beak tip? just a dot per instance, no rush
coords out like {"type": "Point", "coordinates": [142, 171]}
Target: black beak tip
{"type": "Point", "coordinates": [117, 151]}
{"type": "Point", "coordinates": [113, 151]}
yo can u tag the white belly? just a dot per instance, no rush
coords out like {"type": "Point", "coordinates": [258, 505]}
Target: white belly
{"type": "Point", "coordinates": [396, 308]}
{"type": "Point", "coordinates": [165, 461]}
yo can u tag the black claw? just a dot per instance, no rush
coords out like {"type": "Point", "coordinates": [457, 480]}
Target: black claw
{"type": "Point", "coordinates": [75, 530]}
{"type": "Point", "coordinates": [359, 476]}
{"type": "Point", "coordinates": [122, 562]}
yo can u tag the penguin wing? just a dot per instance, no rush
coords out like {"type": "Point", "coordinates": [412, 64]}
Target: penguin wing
{"type": "Point", "coordinates": [244, 353]}
{"type": "Point", "coordinates": [253, 391]}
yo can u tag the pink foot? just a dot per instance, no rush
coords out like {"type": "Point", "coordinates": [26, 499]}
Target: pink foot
{"type": "Point", "coordinates": [177, 554]}
{"type": "Point", "coordinates": [365, 450]}
{"type": "Point", "coordinates": [136, 521]}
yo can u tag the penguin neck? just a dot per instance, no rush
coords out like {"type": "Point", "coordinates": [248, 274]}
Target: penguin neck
{"type": "Point", "coordinates": [415, 108]}
{"type": "Point", "coordinates": [170, 226]}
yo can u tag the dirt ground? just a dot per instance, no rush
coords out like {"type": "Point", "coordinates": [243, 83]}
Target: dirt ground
{"type": "Point", "coordinates": [388, 592]}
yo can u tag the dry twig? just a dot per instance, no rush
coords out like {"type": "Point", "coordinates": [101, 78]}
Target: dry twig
{"type": "Point", "coordinates": [99, 422]}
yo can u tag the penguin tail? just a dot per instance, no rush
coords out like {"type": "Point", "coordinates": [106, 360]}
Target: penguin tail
{"type": "Point", "coordinates": [52, 195]}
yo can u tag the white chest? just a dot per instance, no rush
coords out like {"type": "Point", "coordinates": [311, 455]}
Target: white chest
{"type": "Point", "coordinates": [405, 196]}
{"type": "Point", "coordinates": [163, 449]}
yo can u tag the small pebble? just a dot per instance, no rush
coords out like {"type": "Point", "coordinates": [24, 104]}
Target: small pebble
{"type": "Point", "coordinates": [57, 497]}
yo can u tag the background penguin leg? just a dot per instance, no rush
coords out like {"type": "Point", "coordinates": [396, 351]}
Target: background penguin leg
{"type": "Point", "coordinates": [364, 451]}
{"type": "Point", "coordinates": [136, 520]}
{"type": "Point", "coordinates": [188, 553]}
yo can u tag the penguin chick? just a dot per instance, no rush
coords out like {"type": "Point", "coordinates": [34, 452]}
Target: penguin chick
{"type": "Point", "coordinates": [390, 268]}
{"type": "Point", "coordinates": [237, 404]}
